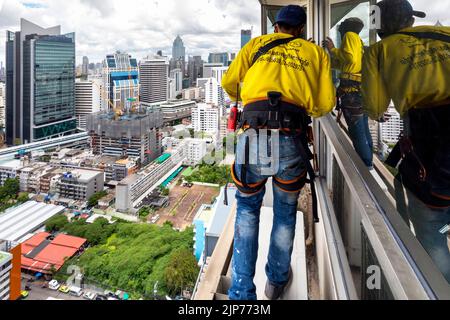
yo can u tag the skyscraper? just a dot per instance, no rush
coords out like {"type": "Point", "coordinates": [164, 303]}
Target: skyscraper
{"type": "Point", "coordinates": [2, 73]}
{"type": "Point", "coordinates": [246, 36]}
{"type": "Point", "coordinates": [2, 105]}
{"type": "Point", "coordinates": [178, 50]}
{"type": "Point", "coordinates": [195, 69]}
{"type": "Point", "coordinates": [154, 77]}
{"type": "Point", "coordinates": [40, 84]}
{"type": "Point", "coordinates": [87, 100]}
{"type": "Point", "coordinates": [221, 57]}
{"type": "Point", "coordinates": [177, 76]}
{"type": "Point", "coordinates": [85, 67]}
{"type": "Point", "coordinates": [120, 81]}
{"type": "Point", "coordinates": [178, 60]}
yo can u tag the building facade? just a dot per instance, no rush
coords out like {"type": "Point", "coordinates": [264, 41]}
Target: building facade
{"type": "Point", "coordinates": [5, 275]}
{"type": "Point", "coordinates": [2, 104]}
{"type": "Point", "coordinates": [87, 100]}
{"type": "Point", "coordinates": [80, 184]}
{"type": "Point", "coordinates": [120, 81]}
{"type": "Point", "coordinates": [246, 36]}
{"type": "Point", "coordinates": [206, 118]}
{"type": "Point", "coordinates": [390, 130]}
{"type": "Point", "coordinates": [135, 135]}
{"type": "Point", "coordinates": [222, 57]}
{"type": "Point", "coordinates": [40, 84]}
{"type": "Point", "coordinates": [154, 77]}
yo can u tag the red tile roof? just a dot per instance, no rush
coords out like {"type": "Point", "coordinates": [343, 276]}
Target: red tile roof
{"type": "Point", "coordinates": [61, 248]}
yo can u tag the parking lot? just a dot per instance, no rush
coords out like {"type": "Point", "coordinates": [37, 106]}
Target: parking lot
{"type": "Point", "coordinates": [39, 293]}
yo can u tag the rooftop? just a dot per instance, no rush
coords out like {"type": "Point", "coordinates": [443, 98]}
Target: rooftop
{"type": "Point", "coordinates": [4, 257]}
{"type": "Point", "coordinates": [17, 222]}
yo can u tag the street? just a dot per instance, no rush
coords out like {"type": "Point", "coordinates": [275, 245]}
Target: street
{"type": "Point", "coordinates": [39, 293]}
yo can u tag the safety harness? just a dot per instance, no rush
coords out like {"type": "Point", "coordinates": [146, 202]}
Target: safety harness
{"type": "Point", "coordinates": [274, 113]}
{"type": "Point", "coordinates": [424, 150]}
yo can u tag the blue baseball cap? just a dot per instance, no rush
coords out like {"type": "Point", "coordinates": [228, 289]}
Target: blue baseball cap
{"type": "Point", "coordinates": [291, 15]}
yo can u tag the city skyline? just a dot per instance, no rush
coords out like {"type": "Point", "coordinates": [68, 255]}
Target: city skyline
{"type": "Point", "coordinates": [147, 26]}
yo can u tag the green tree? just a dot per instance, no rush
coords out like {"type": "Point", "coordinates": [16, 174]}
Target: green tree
{"type": "Point", "coordinates": [10, 188]}
{"type": "Point", "coordinates": [23, 197]}
{"type": "Point", "coordinates": [56, 223]}
{"type": "Point", "coordinates": [181, 272]}
{"type": "Point", "coordinates": [93, 201]}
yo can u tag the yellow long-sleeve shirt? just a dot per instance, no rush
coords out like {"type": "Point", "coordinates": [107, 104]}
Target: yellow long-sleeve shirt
{"type": "Point", "coordinates": [414, 73]}
{"type": "Point", "coordinates": [349, 57]}
{"type": "Point", "coordinates": [300, 70]}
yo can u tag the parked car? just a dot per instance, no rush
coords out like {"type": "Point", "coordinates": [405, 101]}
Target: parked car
{"type": "Point", "coordinates": [54, 285]}
{"type": "Point", "coordinates": [24, 294]}
{"type": "Point", "coordinates": [90, 296]}
{"type": "Point", "coordinates": [75, 291]}
{"type": "Point", "coordinates": [101, 298]}
{"type": "Point", "coordinates": [64, 289]}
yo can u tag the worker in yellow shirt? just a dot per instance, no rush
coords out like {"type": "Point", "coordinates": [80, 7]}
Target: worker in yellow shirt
{"type": "Point", "coordinates": [283, 80]}
{"type": "Point", "coordinates": [411, 67]}
{"type": "Point", "coordinates": [348, 59]}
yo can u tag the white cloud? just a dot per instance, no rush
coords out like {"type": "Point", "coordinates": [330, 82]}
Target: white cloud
{"type": "Point", "coordinates": [140, 27]}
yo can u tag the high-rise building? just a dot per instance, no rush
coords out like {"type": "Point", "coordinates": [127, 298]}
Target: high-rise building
{"type": "Point", "coordinates": [2, 73]}
{"type": "Point", "coordinates": [87, 100]}
{"type": "Point", "coordinates": [154, 77]}
{"type": "Point", "coordinates": [40, 84]}
{"type": "Point", "coordinates": [2, 104]}
{"type": "Point", "coordinates": [246, 36]}
{"type": "Point", "coordinates": [195, 69]}
{"type": "Point", "coordinates": [390, 131]}
{"type": "Point", "coordinates": [177, 76]}
{"type": "Point", "coordinates": [178, 50]}
{"type": "Point", "coordinates": [85, 67]}
{"type": "Point", "coordinates": [120, 81]}
{"type": "Point", "coordinates": [206, 118]}
{"type": "Point", "coordinates": [222, 57]}
{"type": "Point", "coordinates": [178, 60]}
{"type": "Point", "coordinates": [207, 69]}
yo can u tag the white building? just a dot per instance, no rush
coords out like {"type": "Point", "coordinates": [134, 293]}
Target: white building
{"type": "Point", "coordinates": [5, 275]}
{"type": "Point", "coordinates": [87, 100]}
{"type": "Point", "coordinates": [206, 118]}
{"type": "Point", "coordinates": [154, 79]}
{"type": "Point", "coordinates": [10, 170]}
{"type": "Point", "coordinates": [177, 76]}
{"type": "Point", "coordinates": [2, 104]}
{"type": "Point", "coordinates": [207, 69]}
{"type": "Point", "coordinates": [390, 131]}
{"type": "Point", "coordinates": [196, 150]}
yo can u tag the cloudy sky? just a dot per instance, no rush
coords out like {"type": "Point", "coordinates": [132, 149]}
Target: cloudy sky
{"type": "Point", "coordinates": [142, 27]}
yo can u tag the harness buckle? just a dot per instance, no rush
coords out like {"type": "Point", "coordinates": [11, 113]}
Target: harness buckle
{"type": "Point", "coordinates": [274, 98]}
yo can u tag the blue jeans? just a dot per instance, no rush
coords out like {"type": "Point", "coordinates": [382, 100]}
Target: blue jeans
{"type": "Point", "coordinates": [284, 163]}
{"type": "Point", "coordinates": [358, 127]}
{"type": "Point", "coordinates": [427, 222]}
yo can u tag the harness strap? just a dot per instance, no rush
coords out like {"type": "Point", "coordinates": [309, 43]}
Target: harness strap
{"type": "Point", "coordinates": [276, 43]}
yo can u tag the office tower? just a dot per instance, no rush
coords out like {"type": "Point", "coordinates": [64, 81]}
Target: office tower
{"type": "Point", "coordinates": [120, 81]}
{"type": "Point", "coordinates": [2, 73]}
{"type": "Point", "coordinates": [40, 84]}
{"type": "Point", "coordinates": [154, 77]}
{"type": "Point", "coordinates": [2, 105]}
{"type": "Point", "coordinates": [177, 76]}
{"type": "Point", "coordinates": [195, 69]}
{"type": "Point", "coordinates": [390, 131]}
{"type": "Point", "coordinates": [205, 118]}
{"type": "Point", "coordinates": [214, 94]}
{"type": "Point", "coordinates": [87, 100]}
{"type": "Point", "coordinates": [178, 60]}
{"type": "Point", "coordinates": [207, 69]}
{"type": "Point", "coordinates": [222, 58]}
{"type": "Point", "coordinates": [246, 36]}
{"type": "Point", "coordinates": [85, 67]}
